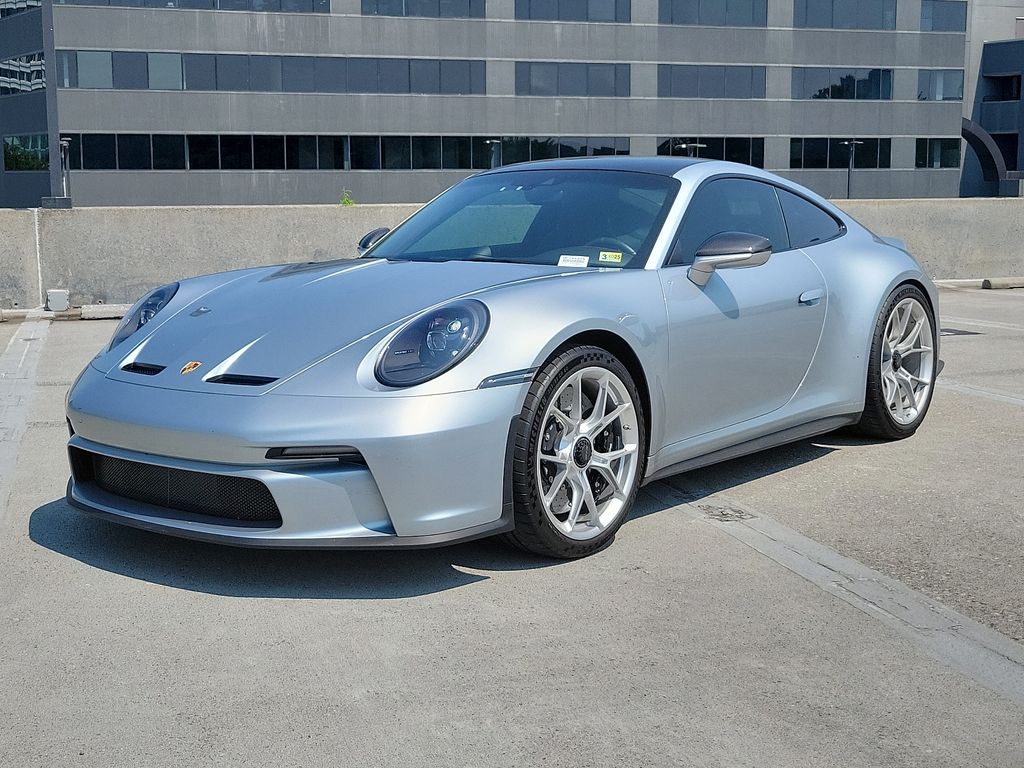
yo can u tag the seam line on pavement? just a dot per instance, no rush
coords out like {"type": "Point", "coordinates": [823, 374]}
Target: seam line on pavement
{"type": "Point", "coordinates": [983, 323]}
{"type": "Point", "coordinates": [967, 389]}
{"type": "Point", "coordinates": [976, 651]}
{"type": "Point", "coordinates": [18, 364]}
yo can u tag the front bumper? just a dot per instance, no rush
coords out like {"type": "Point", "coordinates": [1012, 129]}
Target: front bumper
{"type": "Point", "coordinates": [434, 468]}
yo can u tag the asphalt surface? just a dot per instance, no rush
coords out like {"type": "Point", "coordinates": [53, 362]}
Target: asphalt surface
{"type": "Point", "coordinates": [830, 603]}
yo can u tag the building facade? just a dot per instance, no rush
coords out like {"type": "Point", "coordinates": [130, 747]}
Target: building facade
{"type": "Point", "coordinates": [307, 101]}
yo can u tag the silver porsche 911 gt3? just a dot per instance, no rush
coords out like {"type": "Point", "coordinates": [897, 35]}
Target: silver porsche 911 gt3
{"type": "Point", "coordinates": [516, 358]}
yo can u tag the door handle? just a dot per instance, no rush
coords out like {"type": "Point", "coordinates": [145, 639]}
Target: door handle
{"type": "Point", "coordinates": [812, 297]}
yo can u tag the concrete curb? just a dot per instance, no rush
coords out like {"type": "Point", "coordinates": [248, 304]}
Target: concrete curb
{"type": "Point", "coordinates": [1002, 282]}
{"type": "Point", "coordinates": [104, 311]}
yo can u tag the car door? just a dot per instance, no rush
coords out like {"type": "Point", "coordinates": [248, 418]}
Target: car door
{"type": "Point", "coordinates": [740, 345]}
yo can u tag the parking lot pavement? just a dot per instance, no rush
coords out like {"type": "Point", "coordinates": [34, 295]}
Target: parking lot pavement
{"type": "Point", "coordinates": [690, 641]}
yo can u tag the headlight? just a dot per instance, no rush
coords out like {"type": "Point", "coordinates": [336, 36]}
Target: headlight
{"type": "Point", "coordinates": [145, 309]}
{"type": "Point", "coordinates": [433, 343]}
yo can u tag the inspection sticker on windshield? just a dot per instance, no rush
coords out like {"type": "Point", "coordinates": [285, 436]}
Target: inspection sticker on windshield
{"type": "Point", "coordinates": [610, 257]}
{"type": "Point", "coordinates": [573, 261]}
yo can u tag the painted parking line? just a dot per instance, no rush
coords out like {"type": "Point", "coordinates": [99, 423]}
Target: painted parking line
{"type": "Point", "coordinates": [17, 381]}
{"type": "Point", "coordinates": [979, 652]}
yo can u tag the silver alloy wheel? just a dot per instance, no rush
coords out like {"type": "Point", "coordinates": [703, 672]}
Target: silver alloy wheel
{"type": "Point", "coordinates": [908, 361]}
{"type": "Point", "coordinates": [587, 453]}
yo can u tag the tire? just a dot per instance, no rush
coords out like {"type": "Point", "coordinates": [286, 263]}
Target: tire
{"type": "Point", "coordinates": [890, 374]}
{"type": "Point", "coordinates": [562, 520]}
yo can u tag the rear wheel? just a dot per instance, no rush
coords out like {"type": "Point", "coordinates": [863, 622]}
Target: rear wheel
{"type": "Point", "coordinates": [901, 371]}
{"type": "Point", "coordinates": [579, 454]}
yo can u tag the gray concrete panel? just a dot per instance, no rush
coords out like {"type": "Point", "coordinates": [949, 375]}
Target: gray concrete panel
{"type": "Point", "coordinates": [19, 283]}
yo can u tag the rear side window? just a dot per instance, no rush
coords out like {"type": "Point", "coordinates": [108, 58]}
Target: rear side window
{"type": "Point", "coordinates": [807, 223]}
{"type": "Point", "coordinates": [730, 205]}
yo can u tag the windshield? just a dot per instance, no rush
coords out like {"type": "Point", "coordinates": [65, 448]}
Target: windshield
{"type": "Point", "coordinates": [557, 217]}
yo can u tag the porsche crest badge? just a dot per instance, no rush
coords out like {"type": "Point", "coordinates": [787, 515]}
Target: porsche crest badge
{"type": "Point", "coordinates": [190, 366]}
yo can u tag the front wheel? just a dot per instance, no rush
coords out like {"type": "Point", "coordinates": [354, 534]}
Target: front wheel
{"type": "Point", "coordinates": [901, 371]}
{"type": "Point", "coordinates": [579, 454]}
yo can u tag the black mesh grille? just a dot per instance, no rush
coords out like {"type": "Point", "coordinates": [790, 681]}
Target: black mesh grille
{"type": "Point", "coordinates": [228, 498]}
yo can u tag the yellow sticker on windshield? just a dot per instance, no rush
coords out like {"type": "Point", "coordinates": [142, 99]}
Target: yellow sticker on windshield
{"type": "Point", "coordinates": [610, 257]}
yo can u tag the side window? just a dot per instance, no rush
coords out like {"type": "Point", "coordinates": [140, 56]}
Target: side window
{"type": "Point", "coordinates": [807, 223]}
{"type": "Point", "coordinates": [730, 205]}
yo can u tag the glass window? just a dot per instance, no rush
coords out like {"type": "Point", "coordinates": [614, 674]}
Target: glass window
{"type": "Point", "coordinates": [729, 13]}
{"type": "Point", "coordinates": [232, 72]}
{"type": "Point", "coordinates": [940, 85]}
{"type": "Point", "coordinates": [265, 5]}
{"type": "Point", "coordinates": [395, 152]}
{"type": "Point", "coordinates": [730, 205]}
{"type": "Point", "coordinates": [95, 69]}
{"type": "Point", "coordinates": [362, 75]}
{"type": "Point", "coordinates": [815, 153]}
{"type": "Point", "coordinates": [365, 151]}
{"type": "Point", "coordinates": [130, 70]}
{"type": "Point", "coordinates": [165, 71]}
{"type": "Point", "coordinates": [711, 84]}
{"type": "Point", "coordinates": [426, 152]}
{"type": "Point", "coordinates": [203, 153]}
{"type": "Point", "coordinates": [265, 73]}
{"type": "Point", "coordinates": [300, 152]}
{"type": "Point", "coordinates": [268, 153]}
{"type": "Point", "coordinates": [514, 149]}
{"type": "Point", "coordinates": [455, 152]}
{"type": "Point", "coordinates": [200, 71]}
{"type": "Point", "coordinates": [133, 152]}
{"type": "Point", "coordinates": [943, 16]}
{"type": "Point", "coordinates": [572, 80]}
{"type": "Point", "coordinates": [74, 150]}
{"type": "Point", "coordinates": [938, 153]}
{"type": "Point", "coordinates": [572, 147]}
{"type": "Point", "coordinates": [332, 153]}
{"type": "Point", "coordinates": [331, 75]}
{"type": "Point", "coordinates": [99, 151]}
{"type": "Point", "coordinates": [29, 152]}
{"type": "Point", "coordinates": [601, 80]}
{"type": "Point", "coordinates": [424, 76]}
{"type": "Point", "coordinates": [543, 79]}
{"type": "Point", "coordinates": [67, 69]}
{"type": "Point", "coordinates": [534, 217]}
{"type": "Point", "coordinates": [236, 153]}
{"type": "Point", "coordinates": [543, 148]}
{"type": "Point", "coordinates": [394, 75]}
{"type": "Point", "coordinates": [845, 14]}
{"type": "Point", "coordinates": [168, 152]}
{"type": "Point", "coordinates": [297, 6]}
{"type": "Point", "coordinates": [455, 77]}
{"type": "Point", "coordinates": [298, 74]}
{"type": "Point", "coordinates": [806, 222]}
{"type": "Point", "coordinates": [486, 152]}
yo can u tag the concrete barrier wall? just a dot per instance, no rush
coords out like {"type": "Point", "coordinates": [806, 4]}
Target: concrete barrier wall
{"type": "Point", "coordinates": [113, 255]}
{"type": "Point", "coordinates": [952, 238]}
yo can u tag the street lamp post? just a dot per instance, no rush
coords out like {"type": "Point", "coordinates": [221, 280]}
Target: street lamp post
{"type": "Point", "coordinates": [852, 144]}
{"type": "Point", "coordinates": [690, 147]}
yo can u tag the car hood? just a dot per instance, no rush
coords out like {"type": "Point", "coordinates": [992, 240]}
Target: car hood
{"type": "Point", "coordinates": [253, 329]}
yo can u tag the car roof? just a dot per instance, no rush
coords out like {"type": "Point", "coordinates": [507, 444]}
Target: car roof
{"type": "Point", "coordinates": [660, 165]}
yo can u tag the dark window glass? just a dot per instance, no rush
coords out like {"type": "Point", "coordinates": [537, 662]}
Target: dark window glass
{"type": "Point", "coordinates": [455, 152]}
{"type": "Point", "coordinates": [203, 153]}
{"type": "Point", "coordinates": [201, 5]}
{"type": "Point", "coordinates": [572, 10]}
{"type": "Point", "coordinates": [265, 73]}
{"type": "Point", "coordinates": [757, 152]}
{"type": "Point", "coordinates": [298, 74]}
{"type": "Point", "coordinates": [232, 72]}
{"type": "Point", "coordinates": [572, 79]}
{"type": "Point", "coordinates": [729, 13]}
{"type": "Point", "coordinates": [168, 152]}
{"type": "Point", "coordinates": [815, 153]}
{"type": "Point", "coordinates": [739, 83]}
{"type": "Point", "coordinates": [486, 152]}
{"type": "Point", "coordinates": [601, 146]}
{"type": "Point", "coordinates": [601, 10]}
{"type": "Point", "coordinates": [67, 69]}
{"type": "Point", "coordinates": [572, 147]}
{"type": "Point", "coordinates": [268, 153]}
{"type": "Point", "coordinates": [713, 149]}
{"type": "Point", "coordinates": [683, 80]}
{"type": "Point", "coordinates": [365, 152]}
{"type": "Point", "coordinates": [165, 71]}
{"type": "Point", "coordinates": [938, 153]}
{"type": "Point", "coordinates": [395, 152]}
{"type": "Point", "coordinates": [74, 150]}
{"type": "Point", "coordinates": [730, 205]}
{"type": "Point", "coordinates": [478, 76]}
{"type": "Point", "coordinates": [737, 149]}
{"type": "Point", "coordinates": [428, 8]}
{"type": "Point", "coordinates": [713, 14]}
{"type": "Point", "coordinates": [838, 153]}
{"type": "Point", "coordinates": [940, 85]}
{"type": "Point", "coordinates": [543, 148]}
{"type": "Point", "coordinates": [455, 77]}
{"type": "Point", "coordinates": [391, 7]}
{"type": "Point", "coordinates": [796, 153]}
{"type": "Point", "coordinates": [95, 69]}
{"type": "Point", "coordinates": [845, 14]}
{"type": "Point", "coordinates": [99, 151]}
{"type": "Point", "coordinates": [235, 153]}
{"type": "Point", "coordinates": [426, 152]}
{"type": "Point", "coordinates": [362, 75]}
{"type": "Point", "coordinates": [394, 75]}
{"type": "Point", "coordinates": [712, 82]}
{"type": "Point", "coordinates": [455, 9]}
{"type": "Point", "coordinates": [331, 75]}
{"type": "Point", "coordinates": [601, 80]}
{"type": "Point", "coordinates": [233, 5]}
{"type": "Point", "coordinates": [543, 79]}
{"type": "Point", "coordinates": [297, 6]}
{"type": "Point", "coordinates": [300, 152]}
{"type": "Point", "coordinates": [807, 223]}
{"type": "Point", "coordinates": [884, 153]}
{"type": "Point", "coordinates": [200, 71]}
{"type": "Point", "coordinates": [865, 154]}
{"type": "Point", "coordinates": [133, 153]}
{"type": "Point", "coordinates": [514, 149]}
{"type": "Point", "coordinates": [424, 76]}
{"type": "Point", "coordinates": [844, 84]}
{"type": "Point", "coordinates": [332, 152]}
{"type": "Point", "coordinates": [28, 152]}
{"type": "Point", "coordinates": [943, 16]}
{"type": "Point", "coordinates": [265, 5]}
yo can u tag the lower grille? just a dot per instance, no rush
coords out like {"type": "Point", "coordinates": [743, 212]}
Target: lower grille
{"type": "Point", "coordinates": [234, 499]}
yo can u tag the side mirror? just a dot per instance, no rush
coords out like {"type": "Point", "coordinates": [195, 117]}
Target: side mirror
{"type": "Point", "coordinates": [728, 250]}
{"type": "Point", "coordinates": [370, 239]}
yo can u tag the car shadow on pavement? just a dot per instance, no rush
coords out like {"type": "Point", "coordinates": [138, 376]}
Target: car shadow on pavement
{"type": "Point", "coordinates": [335, 574]}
